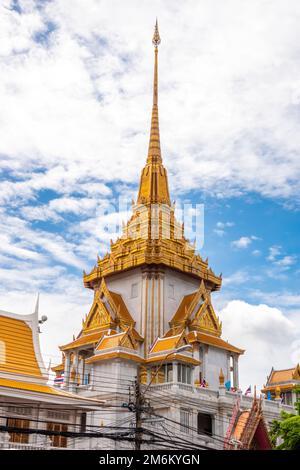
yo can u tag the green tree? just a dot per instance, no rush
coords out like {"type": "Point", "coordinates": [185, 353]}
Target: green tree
{"type": "Point", "coordinates": [288, 428]}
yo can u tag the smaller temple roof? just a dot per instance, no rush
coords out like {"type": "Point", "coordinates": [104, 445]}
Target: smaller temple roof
{"type": "Point", "coordinates": [183, 308]}
{"type": "Point", "coordinates": [194, 336]}
{"type": "Point", "coordinates": [284, 379]}
{"type": "Point", "coordinates": [124, 339]}
{"type": "Point", "coordinates": [247, 429]}
{"type": "Point", "coordinates": [84, 340]}
{"type": "Point", "coordinates": [284, 375]}
{"type": "Point", "coordinates": [165, 344]}
{"type": "Point", "coordinates": [19, 345]}
{"type": "Point", "coordinates": [44, 389]}
{"type": "Point", "coordinates": [241, 424]}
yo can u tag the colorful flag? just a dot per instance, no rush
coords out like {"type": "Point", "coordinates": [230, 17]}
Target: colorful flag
{"type": "Point", "coordinates": [228, 385]}
{"type": "Point", "coordinates": [248, 391]}
{"type": "Point", "coordinates": [269, 396]}
{"type": "Point", "coordinates": [59, 380]}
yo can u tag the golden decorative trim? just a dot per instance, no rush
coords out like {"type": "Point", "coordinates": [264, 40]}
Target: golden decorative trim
{"type": "Point", "coordinates": [159, 301]}
{"type": "Point", "coordinates": [146, 319]}
{"type": "Point", "coordinates": [114, 355]}
{"type": "Point", "coordinates": [152, 307]}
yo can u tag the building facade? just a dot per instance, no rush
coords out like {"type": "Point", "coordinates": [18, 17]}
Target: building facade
{"type": "Point", "coordinates": [27, 401]}
{"type": "Point", "coordinates": [152, 327]}
{"type": "Point", "coordinates": [283, 384]}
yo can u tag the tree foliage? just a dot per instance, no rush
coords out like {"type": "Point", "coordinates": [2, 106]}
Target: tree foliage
{"type": "Point", "coordinates": [287, 430]}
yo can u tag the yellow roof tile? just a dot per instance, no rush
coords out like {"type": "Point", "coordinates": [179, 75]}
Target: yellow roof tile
{"type": "Point", "coordinates": [113, 355]}
{"type": "Point", "coordinates": [32, 387]}
{"type": "Point", "coordinates": [281, 375]}
{"type": "Point", "coordinates": [165, 344]}
{"type": "Point", "coordinates": [17, 353]}
{"type": "Point", "coordinates": [110, 341]}
{"type": "Point", "coordinates": [41, 388]}
{"type": "Point", "coordinates": [124, 313]}
{"type": "Point", "coordinates": [184, 304]}
{"type": "Point", "coordinates": [213, 341]}
{"type": "Point", "coordinates": [58, 368]}
{"type": "Point", "coordinates": [84, 340]}
{"type": "Point", "coordinates": [241, 424]}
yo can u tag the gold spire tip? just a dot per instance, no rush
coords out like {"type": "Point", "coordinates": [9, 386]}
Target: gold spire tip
{"type": "Point", "coordinates": [156, 36]}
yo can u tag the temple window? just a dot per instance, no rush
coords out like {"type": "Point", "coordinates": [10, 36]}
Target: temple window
{"type": "Point", "coordinates": [171, 291]}
{"type": "Point", "coordinates": [185, 420]}
{"type": "Point", "coordinates": [57, 440]}
{"type": "Point", "coordinates": [163, 374]}
{"type": "Point", "coordinates": [134, 290]}
{"type": "Point", "coordinates": [20, 437]}
{"type": "Point", "coordinates": [86, 378]}
{"type": "Point", "coordinates": [204, 424]}
{"type": "Point", "coordinates": [83, 422]}
{"type": "Point", "coordinates": [201, 358]}
{"type": "Point", "coordinates": [287, 398]}
{"type": "Point", "coordinates": [169, 372]}
{"type": "Point", "coordinates": [184, 374]}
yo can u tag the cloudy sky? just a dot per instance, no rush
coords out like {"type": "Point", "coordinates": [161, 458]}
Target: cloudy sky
{"type": "Point", "coordinates": [75, 103]}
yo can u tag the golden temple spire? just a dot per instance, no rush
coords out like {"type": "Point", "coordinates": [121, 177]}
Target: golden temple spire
{"type": "Point", "coordinates": [154, 183]}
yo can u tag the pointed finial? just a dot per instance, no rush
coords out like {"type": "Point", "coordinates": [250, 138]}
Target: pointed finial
{"type": "Point", "coordinates": [221, 378]}
{"type": "Point", "coordinates": [36, 310]}
{"type": "Point", "coordinates": [156, 36]}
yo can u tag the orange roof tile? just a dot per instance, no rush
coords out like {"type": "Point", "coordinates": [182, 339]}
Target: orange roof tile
{"type": "Point", "coordinates": [17, 353]}
{"type": "Point", "coordinates": [184, 304]}
{"type": "Point", "coordinates": [113, 355]}
{"type": "Point", "coordinates": [173, 356]}
{"type": "Point", "coordinates": [165, 344]}
{"type": "Point", "coordinates": [58, 368]}
{"type": "Point", "coordinates": [111, 341]}
{"type": "Point", "coordinates": [241, 424]}
{"type": "Point", "coordinates": [283, 375]}
{"type": "Point", "coordinates": [124, 313]}
{"type": "Point", "coordinates": [84, 340]}
{"type": "Point", "coordinates": [40, 388]}
{"type": "Point", "coordinates": [213, 341]}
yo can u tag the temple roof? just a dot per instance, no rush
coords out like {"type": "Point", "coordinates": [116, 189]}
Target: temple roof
{"type": "Point", "coordinates": [213, 341]}
{"type": "Point", "coordinates": [153, 236]}
{"type": "Point", "coordinates": [84, 340]}
{"type": "Point", "coordinates": [47, 390]}
{"type": "Point", "coordinates": [284, 375]}
{"type": "Point", "coordinates": [165, 344]}
{"type": "Point", "coordinates": [19, 348]}
{"type": "Point", "coordinates": [248, 429]}
{"type": "Point", "coordinates": [284, 379]}
{"type": "Point", "coordinates": [196, 312]}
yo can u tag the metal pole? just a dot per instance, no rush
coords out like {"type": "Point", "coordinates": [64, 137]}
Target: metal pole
{"type": "Point", "coordinates": [138, 413]}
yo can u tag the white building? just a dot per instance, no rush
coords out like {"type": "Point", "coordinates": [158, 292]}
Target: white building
{"type": "Point", "coordinates": [27, 401]}
{"type": "Point", "coordinates": [152, 319]}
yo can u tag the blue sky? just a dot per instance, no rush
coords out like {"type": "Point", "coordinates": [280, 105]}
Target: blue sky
{"type": "Point", "coordinates": [75, 88]}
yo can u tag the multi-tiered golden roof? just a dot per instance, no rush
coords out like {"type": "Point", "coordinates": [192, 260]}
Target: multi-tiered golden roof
{"type": "Point", "coordinates": [153, 236]}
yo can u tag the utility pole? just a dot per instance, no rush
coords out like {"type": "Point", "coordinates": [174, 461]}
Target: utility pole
{"type": "Point", "coordinates": [138, 412]}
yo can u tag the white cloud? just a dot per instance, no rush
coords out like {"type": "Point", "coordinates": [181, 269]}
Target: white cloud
{"type": "Point", "coordinates": [279, 262]}
{"type": "Point", "coordinates": [75, 115]}
{"type": "Point", "coordinates": [75, 106]}
{"type": "Point", "coordinates": [270, 339]}
{"type": "Point", "coordinates": [243, 242]}
{"type": "Point", "coordinates": [256, 252]}
{"type": "Point", "coordinates": [221, 226]}
{"type": "Point", "coordinates": [274, 251]}
{"type": "Point", "coordinates": [286, 261]}
{"type": "Point", "coordinates": [239, 277]}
